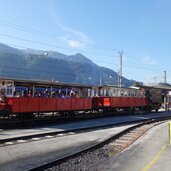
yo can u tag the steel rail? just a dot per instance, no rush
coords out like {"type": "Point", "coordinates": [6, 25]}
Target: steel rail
{"type": "Point", "coordinates": [66, 132]}
{"type": "Point", "coordinates": [39, 136]}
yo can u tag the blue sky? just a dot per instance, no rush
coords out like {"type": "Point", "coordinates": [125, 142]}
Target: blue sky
{"type": "Point", "coordinates": [96, 28]}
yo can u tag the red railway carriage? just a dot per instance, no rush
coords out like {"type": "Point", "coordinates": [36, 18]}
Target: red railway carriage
{"type": "Point", "coordinates": [100, 102]}
{"type": "Point", "coordinates": [118, 98]}
{"type": "Point", "coordinates": [28, 97]}
{"type": "Point", "coordinates": [18, 102]}
{"type": "Point", "coordinates": [24, 104]}
{"type": "Point", "coordinates": [127, 102]}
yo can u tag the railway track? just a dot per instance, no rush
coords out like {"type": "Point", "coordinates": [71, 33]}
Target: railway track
{"type": "Point", "coordinates": [35, 136]}
{"type": "Point", "coordinates": [15, 123]}
{"type": "Point", "coordinates": [101, 151]}
{"type": "Point", "coordinates": [56, 134]}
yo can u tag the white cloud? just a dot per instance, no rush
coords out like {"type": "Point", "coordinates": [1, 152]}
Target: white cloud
{"type": "Point", "coordinates": [148, 61]}
{"type": "Point", "coordinates": [72, 38]}
{"type": "Point", "coordinates": [71, 42]}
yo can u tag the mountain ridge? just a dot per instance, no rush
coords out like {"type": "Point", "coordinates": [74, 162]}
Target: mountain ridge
{"type": "Point", "coordinates": [52, 65]}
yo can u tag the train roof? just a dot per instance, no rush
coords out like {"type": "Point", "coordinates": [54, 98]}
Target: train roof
{"type": "Point", "coordinates": [42, 83]}
{"type": "Point", "coordinates": [161, 87]}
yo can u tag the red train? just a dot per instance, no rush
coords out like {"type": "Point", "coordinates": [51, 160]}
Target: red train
{"type": "Point", "coordinates": [27, 98]}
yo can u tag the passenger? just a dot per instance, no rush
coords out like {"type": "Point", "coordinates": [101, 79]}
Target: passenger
{"type": "Point", "coordinates": [48, 94]}
{"type": "Point", "coordinates": [25, 93]}
{"type": "Point", "coordinates": [36, 94]}
{"type": "Point", "coordinates": [58, 94]}
{"type": "Point", "coordinates": [77, 94]}
{"type": "Point", "coordinates": [53, 95]}
{"type": "Point", "coordinates": [68, 95]}
{"type": "Point", "coordinates": [63, 95]}
{"type": "Point", "coordinates": [40, 94]}
{"type": "Point", "coordinates": [15, 94]}
{"type": "Point", "coordinates": [29, 94]}
{"type": "Point", "coordinates": [2, 96]}
{"type": "Point", "coordinates": [72, 94]}
{"type": "Point", "coordinates": [45, 94]}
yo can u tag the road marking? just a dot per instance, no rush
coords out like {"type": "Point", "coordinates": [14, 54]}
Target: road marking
{"type": "Point", "coordinates": [9, 143]}
{"type": "Point", "coordinates": [48, 136]}
{"type": "Point", "coordinates": [149, 165]}
{"type": "Point", "coordinates": [36, 139]}
{"type": "Point", "coordinates": [21, 141]}
{"type": "Point", "coordinates": [170, 132]}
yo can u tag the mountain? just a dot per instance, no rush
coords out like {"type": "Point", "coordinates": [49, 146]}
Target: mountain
{"type": "Point", "coordinates": [51, 65]}
{"type": "Point", "coordinates": [7, 49]}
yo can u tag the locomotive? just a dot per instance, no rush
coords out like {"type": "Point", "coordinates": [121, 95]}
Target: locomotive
{"type": "Point", "coordinates": [29, 98]}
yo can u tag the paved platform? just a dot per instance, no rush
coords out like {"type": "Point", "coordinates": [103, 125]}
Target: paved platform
{"type": "Point", "coordinates": [152, 152]}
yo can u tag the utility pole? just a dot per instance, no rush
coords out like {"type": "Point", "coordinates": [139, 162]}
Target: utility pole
{"type": "Point", "coordinates": [165, 77]}
{"type": "Point", "coordinates": [166, 99]}
{"type": "Point", "coordinates": [100, 81]}
{"type": "Point", "coordinates": [155, 78]}
{"type": "Point", "coordinates": [120, 70]}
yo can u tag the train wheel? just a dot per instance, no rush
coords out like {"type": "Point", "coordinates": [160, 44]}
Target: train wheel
{"type": "Point", "coordinates": [71, 114]}
{"type": "Point", "coordinates": [25, 116]}
{"type": "Point", "coordinates": [156, 110]}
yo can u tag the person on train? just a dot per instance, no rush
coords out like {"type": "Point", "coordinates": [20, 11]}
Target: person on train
{"type": "Point", "coordinates": [29, 94]}
{"type": "Point", "coordinates": [2, 96]}
{"type": "Point", "coordinates": [72, 94]}
{"type": "Point", "coordinates": [58, 94]}
{"type": "Point", "coordinates": [63, 95]}
{"type": "Point", "coordinates": [25, 93]}
{"type": "Point", "coordinates": [46, 93]}
{"type": "Point", "coordinates": [16, 94]}
{"type": "Point", "coordinates": [68, 95]}
{"type": "Point", "coordinates": [77, 94]}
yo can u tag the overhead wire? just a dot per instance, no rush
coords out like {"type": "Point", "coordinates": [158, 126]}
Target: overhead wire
{"type": "Point", "coordinates": [50, 35]}
{"type": "Point", "coordinates": [35, 31]}
{"type": "Point", "coordinates": [50, 62]}
{"type": "Point", "coordinates": [39, 70]}
{"type": "Point", "coordinates": [30, 30]}
{"type": "Point", "coordinates": [47, 66]}
{"type": "Point", "coordinates": [53, 46]}
{"type": "Point", "coordinates": [32, 70]}
{"type": "Point", "coordinates": [26, 29]}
